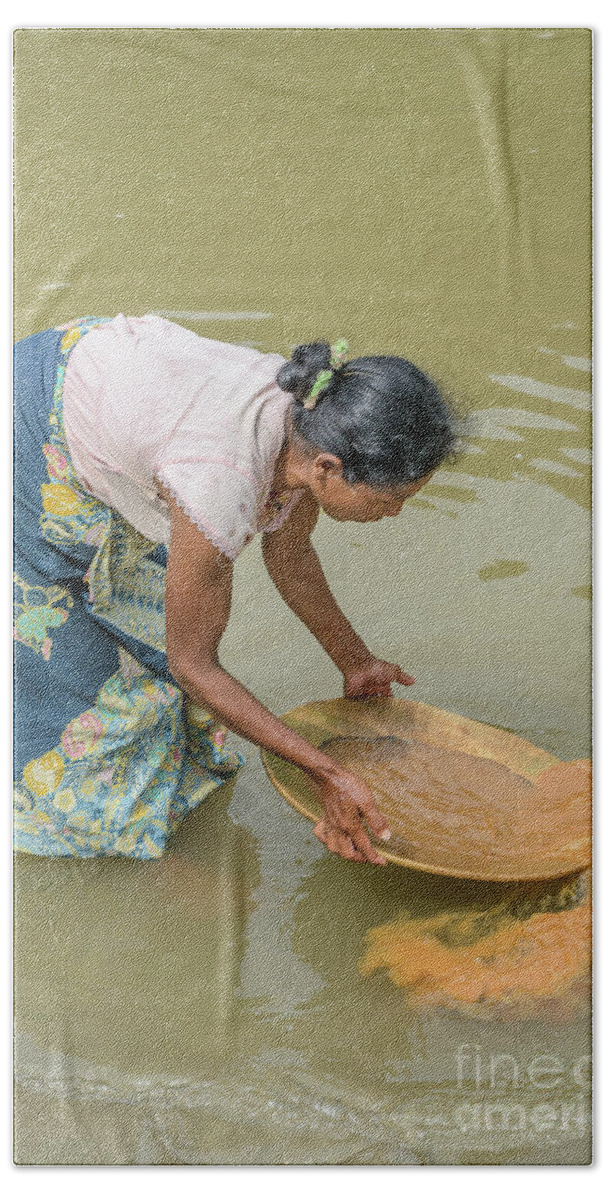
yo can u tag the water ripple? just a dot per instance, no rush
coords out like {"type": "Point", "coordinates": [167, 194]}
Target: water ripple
{"type": "Point", "coordinates": [576, 397]}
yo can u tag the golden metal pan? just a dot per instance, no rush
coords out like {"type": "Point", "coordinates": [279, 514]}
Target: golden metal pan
{"type": "Point", "coordinates": [461, 798]}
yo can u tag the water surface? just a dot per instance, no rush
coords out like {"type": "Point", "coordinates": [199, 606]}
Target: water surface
{"type": "Point", "coordinates": [419, 192]}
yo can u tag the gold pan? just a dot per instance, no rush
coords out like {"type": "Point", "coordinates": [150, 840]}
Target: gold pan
{"type": "Point", "coordinates": [461, 798]}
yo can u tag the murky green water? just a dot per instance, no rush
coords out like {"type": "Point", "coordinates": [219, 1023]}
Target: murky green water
{"type": "Point", "coordinates": [419, 192]}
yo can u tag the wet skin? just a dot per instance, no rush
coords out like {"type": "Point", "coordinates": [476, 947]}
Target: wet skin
{"type": "Point", "coordinates": [199, 583]}
{"type": "Point", "coordinates": [342, 828]}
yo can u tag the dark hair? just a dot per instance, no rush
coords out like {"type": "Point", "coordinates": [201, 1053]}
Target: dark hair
{"type": "Point", "coordinates": [381, 416]}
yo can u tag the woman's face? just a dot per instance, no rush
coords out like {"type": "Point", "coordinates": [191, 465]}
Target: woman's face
{"type": "Point", "coordinates": [358, 502]}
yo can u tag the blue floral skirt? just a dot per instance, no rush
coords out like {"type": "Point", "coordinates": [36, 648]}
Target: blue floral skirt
{"type": "Point", "coordinates": [109, 754]}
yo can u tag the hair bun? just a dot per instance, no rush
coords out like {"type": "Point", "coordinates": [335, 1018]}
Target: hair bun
{"type": "Point", "coordinates": [299, 374]}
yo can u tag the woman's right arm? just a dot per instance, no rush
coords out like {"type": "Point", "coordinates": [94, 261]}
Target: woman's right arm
{"type": "Point", "coordinates": [198, 595]}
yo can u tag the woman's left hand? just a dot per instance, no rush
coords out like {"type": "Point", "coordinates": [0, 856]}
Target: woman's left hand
{"type": "Point", "coordinates": [375, 679]}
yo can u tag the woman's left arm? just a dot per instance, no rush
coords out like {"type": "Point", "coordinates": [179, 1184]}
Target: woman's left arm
{"type": "Point", "coordinates": [294, 567]}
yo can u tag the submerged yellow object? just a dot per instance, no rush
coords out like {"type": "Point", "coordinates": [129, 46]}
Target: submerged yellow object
{"type": "Point", "coordinates": [461, 798]}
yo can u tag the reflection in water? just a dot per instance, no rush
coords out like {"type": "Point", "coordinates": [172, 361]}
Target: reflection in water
{"type": "Point", "coordinates": [498, 424]}
{"type": "Point", "coordinates": [554, 468]}
{"type": "Point", "coordinates": [575, 397]}
{"type": "Point", "coordinates": [577, 363]}
{"type": "Point", "coordinates": [503, 568]}
{"type": "Point", "coordinates": [147, 951]}
{"type": "Point", "coordinates": [273, 978]}
{"type": "Point", "coordinates": [579, 455]}
{"type": "Point", "coordinates": [269, 1108]}
{"type": "Point", "coordinates": [195, 317]}
{"type": "Point", "coordinates": [585, 592]}
{"type": "Point", "coordinates": [449, 491]}
{"type": "Point", "coordinates": [537, 436]}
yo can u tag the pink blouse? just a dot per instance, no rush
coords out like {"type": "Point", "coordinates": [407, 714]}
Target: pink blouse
{"type": "Point", "coordinates": [145, 399]}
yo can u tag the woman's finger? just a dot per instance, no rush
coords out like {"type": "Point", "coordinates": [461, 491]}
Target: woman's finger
{"type": "Point", "coordinates": [401, 677]}
{"type": "Point", "coordinates": [334, 839]}
{"type": "Point", "coordinates": [319, 831]}
{"type": "Point", "coordinates": [374, 819]}
{"type": "Point", "coordinates": [370, 694]}
{"type": "Point", "coordinates": [348, 815]}
{"type": "Point", "coordinates": [346, 846]}
{"type": "Point", "coordinates": [355, 847]}
{"type": "Point", "coordinates": [362, 844]}
{"type": "Point", "coordinates": [350, 825]}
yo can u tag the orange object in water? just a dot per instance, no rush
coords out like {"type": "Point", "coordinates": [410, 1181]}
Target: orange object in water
{"type": "Point", "coordinates": [525, 967]}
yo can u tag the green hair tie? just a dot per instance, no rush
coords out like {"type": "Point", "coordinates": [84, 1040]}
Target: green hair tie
{"type": "Point", "coordinates": [339, 350]}
{"type": "Point", "coordinates": [321, 382]}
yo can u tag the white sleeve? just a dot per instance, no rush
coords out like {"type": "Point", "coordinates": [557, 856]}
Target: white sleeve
{"type": "Point", "coordinates": [220, 499]}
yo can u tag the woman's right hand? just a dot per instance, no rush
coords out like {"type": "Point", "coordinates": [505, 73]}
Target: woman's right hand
{"type": "Point", "coordinates": [198, 593]}
{"type": "Point", "coordinates": [349, 805]}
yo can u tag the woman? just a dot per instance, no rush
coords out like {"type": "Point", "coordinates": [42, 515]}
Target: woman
{"type": "Point", "coordinates": [134, 435]}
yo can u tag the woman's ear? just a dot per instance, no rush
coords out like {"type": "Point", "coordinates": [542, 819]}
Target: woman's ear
{"type": "Point", "coordinates": [326, 465]}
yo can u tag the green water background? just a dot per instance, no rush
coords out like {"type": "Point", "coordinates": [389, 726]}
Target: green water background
{"type": "Point", "coordinates": [423, 193]}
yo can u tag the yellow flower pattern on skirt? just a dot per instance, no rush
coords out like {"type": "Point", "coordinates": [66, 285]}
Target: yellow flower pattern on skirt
{"type": "Point", "coordinates": [126, 770]}
{"type": "Point", "coordinates": [39, 610]}
{"type": "Point", "coordinates": [110, 786]}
